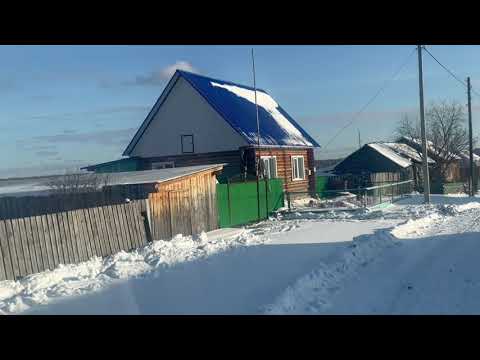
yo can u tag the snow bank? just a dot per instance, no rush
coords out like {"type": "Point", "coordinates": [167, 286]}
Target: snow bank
{"type": "Point", "coordinates": [433, 215]}
{"type": "Point", "coordinates": [311, 293]}
{"type": "Point", "coordinates": [97, 273]}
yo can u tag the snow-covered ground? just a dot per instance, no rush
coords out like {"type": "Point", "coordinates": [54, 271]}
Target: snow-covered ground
{"type": "Point", "coordinates": [406, 258]}
{"type": "Point", "coordinates": [426, 265]}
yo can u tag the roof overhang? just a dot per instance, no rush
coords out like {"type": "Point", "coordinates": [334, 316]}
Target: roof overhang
{"type": "Point", "coordinates": [255, 146]}
{"type": "Point", "coordinates": [204, 169]}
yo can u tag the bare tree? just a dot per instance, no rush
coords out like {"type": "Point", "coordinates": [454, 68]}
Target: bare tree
{"type": "Point", "coordinates": [408, 128]}
{"type": "Point", "coordinates": [74, 183]}
{"type": "Point", "coordinates": [446, 135]}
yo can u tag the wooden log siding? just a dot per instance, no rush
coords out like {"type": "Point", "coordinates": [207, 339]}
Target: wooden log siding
{"type": "Point", "coordinates": [232, 158]}
{"type": "Point", "coordinates": [284, 167]}
{"type": "Point", "coordinates": [36, 243]}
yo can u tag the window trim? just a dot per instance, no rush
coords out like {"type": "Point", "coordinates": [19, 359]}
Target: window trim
{"type": "Point", "coordinates": [193, 144]}
{"type": "Point", "coordinates": [294, 158]}
{"type": "Point", "coordinates": [265, 157]}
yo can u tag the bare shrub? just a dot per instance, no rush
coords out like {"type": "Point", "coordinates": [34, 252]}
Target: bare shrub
{"type": "Point", "coordinates": [75, 183]}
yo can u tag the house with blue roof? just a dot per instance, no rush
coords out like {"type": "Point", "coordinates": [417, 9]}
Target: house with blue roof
{"type": "Point", "coordinates": [199, 120]}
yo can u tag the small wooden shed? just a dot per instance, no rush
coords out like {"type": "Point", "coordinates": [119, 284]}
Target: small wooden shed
{"type": "Point", "coordinates": [180, 200]}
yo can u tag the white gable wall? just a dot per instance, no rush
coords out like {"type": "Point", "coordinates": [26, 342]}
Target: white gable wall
{"type": "Point", "coordinates": [185, 112]}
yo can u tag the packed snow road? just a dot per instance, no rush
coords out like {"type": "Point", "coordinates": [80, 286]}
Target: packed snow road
{"type": "Point", "coordinates": [430, 266]}
{"type": "Point", "coordinates": [437, 273]}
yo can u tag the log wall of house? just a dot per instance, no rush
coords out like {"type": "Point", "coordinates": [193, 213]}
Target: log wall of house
{"type": "Point", "coordinates": [231, 158]}
{"type": "Point", "coordinates": [284, 167]}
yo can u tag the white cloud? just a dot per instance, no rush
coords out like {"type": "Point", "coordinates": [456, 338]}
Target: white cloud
{"type": "Point", "coordinates": [168, 71]}
{"type": "Point", "coordinates": [161, 76]}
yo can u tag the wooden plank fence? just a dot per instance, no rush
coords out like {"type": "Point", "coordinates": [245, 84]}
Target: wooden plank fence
{"type": "Point", "coordinates": [36, 236]}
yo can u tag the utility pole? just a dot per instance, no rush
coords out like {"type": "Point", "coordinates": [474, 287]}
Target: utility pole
{"type": "Point", "coordinates": [426, 179]}
{"type": "Point", "coordinates": [359, 141]}
{"type": "Point", "coordinates": [257, 158]}
{"type": "Point", "coordinates": [472, 170]}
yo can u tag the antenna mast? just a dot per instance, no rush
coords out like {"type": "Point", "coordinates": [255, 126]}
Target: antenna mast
{"type": "Point", "coordinates": [257, 157]}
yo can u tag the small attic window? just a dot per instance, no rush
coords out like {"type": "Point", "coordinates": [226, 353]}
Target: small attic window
{"type": "Point", "coordinates": [187, 144]}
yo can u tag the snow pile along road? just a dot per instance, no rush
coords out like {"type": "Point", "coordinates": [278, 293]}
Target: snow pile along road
{"type": "Point", "coordinates": [97, 273]}
{"type": "Point", "coordinates": [312, 292]}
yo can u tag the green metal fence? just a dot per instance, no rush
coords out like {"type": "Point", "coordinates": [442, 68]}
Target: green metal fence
{"type": "Point", "coordinates": [321, 185]}
{"type": "Point", "coordinates": [239, 204]}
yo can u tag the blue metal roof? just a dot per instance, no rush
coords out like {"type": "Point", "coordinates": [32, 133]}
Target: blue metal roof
{"type": "Point", "coordinates": [234, 103]}
{"type": "Point", "coordinates": [240, 112]}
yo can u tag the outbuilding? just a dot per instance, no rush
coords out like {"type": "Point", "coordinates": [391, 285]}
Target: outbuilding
{"type": "Point", "coordinates": [181, 200]}
{"type": "Point", "coordinates": [379, 162]}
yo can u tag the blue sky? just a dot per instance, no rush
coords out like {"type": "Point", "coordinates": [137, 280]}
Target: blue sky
{"type": "Point", "coordinates": [67, 106]}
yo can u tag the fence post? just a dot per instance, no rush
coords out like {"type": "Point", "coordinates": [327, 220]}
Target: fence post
{"type": "Point", "coordinates": [266, 197]}
{"type": "Point", "coordinates": [229, 203]}
{"type": "Point", "coordinates": [170, 213]}
{"type": "Point", "coordinates": [149, 216]}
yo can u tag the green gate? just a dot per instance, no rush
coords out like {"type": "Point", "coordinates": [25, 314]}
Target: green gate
{"type": "Point", "coordinates": [238, 202]}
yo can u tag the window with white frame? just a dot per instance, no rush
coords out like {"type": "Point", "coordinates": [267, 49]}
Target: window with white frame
{"type": "Point", "coordinates": [298, 168]}
{"type": "Point", "coordinates": [268, 166]}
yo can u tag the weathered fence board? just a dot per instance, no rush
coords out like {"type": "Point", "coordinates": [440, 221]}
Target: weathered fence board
{"type": "Point", "coordinates": [37, 245]}
{"type": "Point", "coordinates": [131, 223]}
{"type": "Point", "coordinates": [95, 233]}
{"type": "Point", "coordinates": [43, 225]}
{"type": "Point", "coordinates": [3, 271]}
{"type": "Point", "coordinates": [18, 248]}
{"type": "Point", "coordinates": [31, 245]}
{"type": "Point", "coordinates": [119, 215]}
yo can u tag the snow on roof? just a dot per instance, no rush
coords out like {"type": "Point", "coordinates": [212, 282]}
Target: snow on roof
{"type": "Point", "coordinates": [266, 102]}
{"type": "Point", "coordinates": [236, 104]}
{"type": "Point", "coordinates": [466, 156]}
{"type": "Point", "coordinates": [430, 146]}
{"type": "Point", "coordinates": [407, 151]}
{"type": "Point", "coordinates": [391, 154]}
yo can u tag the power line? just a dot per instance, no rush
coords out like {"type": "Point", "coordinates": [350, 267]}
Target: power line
{"type": "Point", "coordinates": [474, 91]}
{"type": "Point", "coordinates": [384, 86]}
{"type": "Point", "coordinates": [452, 74]}
{"type": "Point", "coordinates": [446, 69]}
